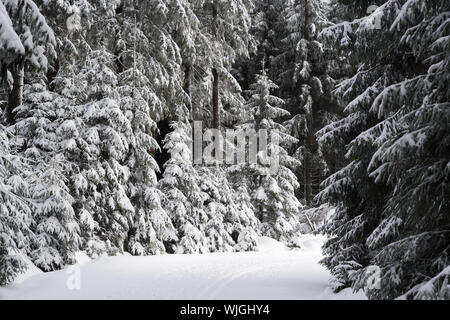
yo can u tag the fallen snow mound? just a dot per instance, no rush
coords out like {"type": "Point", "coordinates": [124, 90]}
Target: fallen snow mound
{"type": "Point", "coordinates": [82, 258]}
{"type": "Point", "coordinates": [312, 242]}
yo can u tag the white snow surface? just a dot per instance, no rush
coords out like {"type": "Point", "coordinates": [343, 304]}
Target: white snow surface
{"type": "Point", "coordinates": [273, 272]}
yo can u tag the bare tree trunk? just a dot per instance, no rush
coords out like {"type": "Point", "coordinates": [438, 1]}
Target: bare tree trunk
{"type": "Point", "coordinates": [15, 97]}
{"type": "Point", "coordinates": [216, 80]}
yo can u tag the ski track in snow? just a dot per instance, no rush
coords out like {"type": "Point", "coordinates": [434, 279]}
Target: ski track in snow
{"type": "Point", "coordinates": [273, 272]}
{"type": "Point", "coordinates": [213, 291]}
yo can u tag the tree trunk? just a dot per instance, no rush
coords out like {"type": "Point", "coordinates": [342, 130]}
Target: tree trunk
{"type": "Point", "coordinates": [187, 78]}
{"type": "Point", "coordinates": [215, 100]}
{"type": "Point", "coordinates": [308, 160]}
{"type": "Point", "coordinates": [187, 89]}
{"type": "Point", "coordinates": [51, 75]}
{"type": "Point", "coordinates": [15, 97]}
{"type": "Point", "coordinates": [308, 168]}
{"type": "Point", "coordinates": [215, 93]}
{"type": "Point", "coordinates": [118, 54]}
{"type": "Point", "coordinates": [119, 62]}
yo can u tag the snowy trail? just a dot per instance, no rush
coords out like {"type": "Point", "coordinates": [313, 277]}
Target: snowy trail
{"type": "Point", "coordinates": [272, 273]}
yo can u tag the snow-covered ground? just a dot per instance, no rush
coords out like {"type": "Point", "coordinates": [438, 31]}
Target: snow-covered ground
{"type": "Point", "coordinates": [273, 272]}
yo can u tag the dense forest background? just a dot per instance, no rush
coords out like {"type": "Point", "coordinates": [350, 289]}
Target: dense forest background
{"type": "Point", "coordinates": [98, 100]}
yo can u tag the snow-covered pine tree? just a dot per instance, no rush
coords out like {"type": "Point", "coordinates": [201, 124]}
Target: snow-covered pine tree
{"type": "Point", "coordinates": [268, 29]}
{"type": "Point", "coordinates": [346, 10]}
{"type": "Point", "coordinates": [107, 132]}
{"type": "Point", "coordinates": [207, 212]}
{"type": "Point", "coordinates": [49, 123]}
{"type": "Point", "coordinates": [12, 205]}
{"type": "Point", "coordinates": [227, 25]}
{"type": "Point", "coordinates": [339, 68]}
{"type": "Point", "coordinates": [245, 229]}
{"type": "Point", "coordinates": [224, 219]}
{"type": "Point", "coordinates": [273, 194]}
{"type": "Point", "coordinates": [163, 60]}
{"type": "Point", "coordinates": [302, 82]}
{"type": "Point", "coordinates": [36, 38]}
{"type": "Point", "coordinates": [151, 224]}
{"type": "Point", "coordinates": [200, 48]}
{"type": "Point", "coordinates": [45, 136]}
{"type": "Point", "coordinates": [142, 101]}
{"type": "Point", "coordinates": [11, 44]}
{"type": "Point", "coordinates": [83, 121]}
{"type": "Point", "coordinates": [21, 39]}
{"type": "Point", "coordinates": [392, 197]}
{"type": "Point", "coordinates": [183, 198]}
{"type": "Point", "coordinates": [54, 222]}
{"type": "Point", "coordinates": [192, 42]}
{"type": "Point", "coordinates": [15, 211]}
{"type": "Point", "coordinates": [70, 21]}
{"type": "Point", "coordinates": [110, 102]}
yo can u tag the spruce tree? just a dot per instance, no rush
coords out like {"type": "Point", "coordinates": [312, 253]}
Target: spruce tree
{"type": "Point", "coordinates": [227, 25]}
{"type": "Point", "coordinates": [54, 221]}
{"type": "Point", "coordinates": [273, 196]}
{"type": "Point", "coordinates": [183, 197]}
{"type": "Point", "coordinates": [391, 197]}
{"type": "Point", "coordinates": [107, 96]}
{"type": "Point", "coordinates": [268, 29]}
{"type": "Point", "coordinates": [36, 37]}
{"type": "Point", "coordinates": [24, 34]}
{"type": "Point", "coordinates": [303, 82]}
{"type": "Point", "coordinates": [15, 211]}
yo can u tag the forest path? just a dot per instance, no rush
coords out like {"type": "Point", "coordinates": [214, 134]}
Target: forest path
{"type": "Point", "coordinates": [273, 272]}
